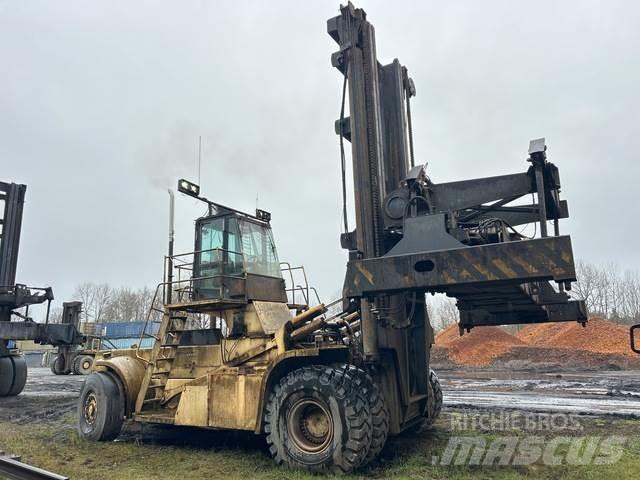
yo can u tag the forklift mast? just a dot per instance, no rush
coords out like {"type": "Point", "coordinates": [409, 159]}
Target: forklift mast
{"type": "Point", "coordinates": [12, 197]}
{"type": "Point", "coordinates": [14, 296]}
{"type": "Point", "coordinates": [413, 236]}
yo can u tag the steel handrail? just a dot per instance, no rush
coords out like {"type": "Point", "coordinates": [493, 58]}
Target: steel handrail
{"type": "Point", "coordinates": [152, 308]}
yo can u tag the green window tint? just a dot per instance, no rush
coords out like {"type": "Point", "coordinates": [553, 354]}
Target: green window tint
{"type": "Point", "coordinates": [259, 250]}
{"type": "Point", "coordinates": [219, 256]}
{"type": "Point", "coordinates": [212, 238]}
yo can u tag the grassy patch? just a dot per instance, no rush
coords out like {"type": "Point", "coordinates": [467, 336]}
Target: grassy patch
{"type": "Point", "coordinates": [199, 454]}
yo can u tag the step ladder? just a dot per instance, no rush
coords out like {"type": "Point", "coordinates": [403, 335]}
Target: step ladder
{"type": "Point", "coordinates": [159, 366]}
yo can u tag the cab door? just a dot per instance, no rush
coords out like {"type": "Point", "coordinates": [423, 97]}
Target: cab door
{"type": "Point", "coordinates": [217, 261]}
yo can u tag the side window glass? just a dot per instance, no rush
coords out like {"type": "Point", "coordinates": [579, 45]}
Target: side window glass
{"type": "Point", "coordinates": [212, 238]}
{"type": "Point", "coordinates": [259, 250]}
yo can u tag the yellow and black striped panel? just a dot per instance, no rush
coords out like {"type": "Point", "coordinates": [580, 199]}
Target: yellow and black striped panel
{"type": "Point", "coordinates": [548, 258]}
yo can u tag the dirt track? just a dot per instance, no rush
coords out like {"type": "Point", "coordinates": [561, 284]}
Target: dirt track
{"type": "Point", "coordinates": [598, 393]}
{"type": "Point", "coordinates": [48, 398]}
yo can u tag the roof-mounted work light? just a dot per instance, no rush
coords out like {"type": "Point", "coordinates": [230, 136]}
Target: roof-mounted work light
{"type": "Point", "coordinates": [263, 215]}
{"type": "Point", "coordinates": [188, 188]}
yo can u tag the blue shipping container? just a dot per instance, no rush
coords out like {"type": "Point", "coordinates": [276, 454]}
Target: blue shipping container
{"type": "Point", "coordinates": [126, 329]}
{"type": "Point", "coordinates": [122, 343]}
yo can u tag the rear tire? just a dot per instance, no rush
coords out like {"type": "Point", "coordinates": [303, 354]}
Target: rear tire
{"type": "Point", "coordinates": [434, 403]}
{"type": "Point", "coordinates": [75, 366]}
{"type": "Point", "coordinates": [100, 408]}
{"type": "Point", "coordinates": [58, 367]}
{"type": "Point", "coordinates": [13, 375]}
{"type": "Point", "coordinates": [85, 364]}
{"type": "Point", "coordinates": [434, 399]}
{"type": "Point", "coordinates": [317, 420]}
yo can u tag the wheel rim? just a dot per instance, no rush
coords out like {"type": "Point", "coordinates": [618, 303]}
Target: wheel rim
{"type": "Point", "coordinates": [310, 425]}
{"type": "Point", "coordinates": [90, 410]}
{"type": "Point", "coordinates": [86, 364]}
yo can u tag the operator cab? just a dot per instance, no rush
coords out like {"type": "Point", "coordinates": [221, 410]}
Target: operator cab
{"type": "Point", "coordinates": [235, 258]}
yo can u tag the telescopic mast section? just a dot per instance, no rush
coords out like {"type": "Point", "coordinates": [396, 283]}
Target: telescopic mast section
{"type": "Point", "coordinates": [414, 236]}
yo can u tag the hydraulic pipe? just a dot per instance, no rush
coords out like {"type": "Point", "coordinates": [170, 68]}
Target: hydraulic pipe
{"type": "Point", "coordinates": [169, 279]}
{"type": "Point", "coordinates": [310, 314]}
{"type": "Point", "coordinates": [309, 328]}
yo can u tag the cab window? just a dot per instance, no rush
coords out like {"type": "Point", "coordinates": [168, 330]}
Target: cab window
{"type": "Point", "coordinates": [219, 247]}
{"type": "Point", "coordinates": [259, 250]}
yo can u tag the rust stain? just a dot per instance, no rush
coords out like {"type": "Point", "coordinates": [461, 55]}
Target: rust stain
{"type": "Point", "coordinates": [365, 273]}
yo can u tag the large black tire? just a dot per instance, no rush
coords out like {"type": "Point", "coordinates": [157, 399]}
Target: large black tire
{"type": "Point", "coordinates": [378, 408]}
{"type": "Point", "coordinates": [19, 375]}
{"type": "Point", "coordinates": [57, 367]}
{"type": "Point", "coordinates": [434, 403]}
{"type": "Point", "coordinates": [84, 365]}
{"type": "Point", "coordinates": [75, 365]}
{"type": "Point", "coordinates": [317, 420]}
{"type": "Point", "coordinates": [13, 375]}
{"type": "Point", "coordinates": [434, 399]}
{"type": "Point", "coordinates": [6, 376]}
{"type": "Point", "coordinates": [100, 408]}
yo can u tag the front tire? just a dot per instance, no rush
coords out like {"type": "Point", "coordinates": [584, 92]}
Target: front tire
{"type": "Point", "coordinates": [317, 420]}
{"type": "Point", "coordinates": [378, 408]}
{"type": "Point", "coordinates": [100, 408]}
{"type": "Point", "coordinates": [13, 375]}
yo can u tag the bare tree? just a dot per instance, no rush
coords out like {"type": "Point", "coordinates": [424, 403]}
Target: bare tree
{"type": "Point", "coordinates": [608, 292]}
{"type": "Point", "coordinates": [85, 293]}
{"type": "Point", "coordinates": [442, 311]}
{"type": "Point", "coordinates": [55, 314]}
{"type": "Point", "coordinates": [103, 303]}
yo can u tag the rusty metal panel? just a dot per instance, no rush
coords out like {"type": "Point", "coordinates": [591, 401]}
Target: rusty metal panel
{"type": "Point", "coordinates": [548, 258]}
{"type": "Point", "coordinates": [233, 400]}
{"type": "Point", "coordinates": [260, 287]}
{"type": "Point", "coordinates": [193, 407]}
{"type": "Point", "coordinates": [272, 315]}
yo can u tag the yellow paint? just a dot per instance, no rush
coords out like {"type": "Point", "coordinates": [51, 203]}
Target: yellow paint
{"type": "Point", "coordinates": [447, 278]}
{"type": "Point", "coordinates": [527, 266]}
{"type": "Point", "coordinates": [504, 268]}
{"type": "Point", "coordinates": [192, 409]}
{"type": "Point", "coordinates": [488, 274]}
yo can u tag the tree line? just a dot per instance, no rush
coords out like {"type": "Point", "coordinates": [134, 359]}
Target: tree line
{"type": "Point", "coordinates": [609, 291]}
{"type": "Point", "coordinates": [103, 303]}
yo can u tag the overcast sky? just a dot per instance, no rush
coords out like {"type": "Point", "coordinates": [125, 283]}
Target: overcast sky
{"type": "Point", "coordinates": [102, 104]}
